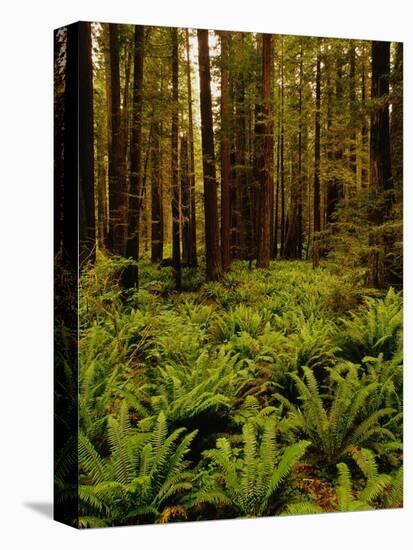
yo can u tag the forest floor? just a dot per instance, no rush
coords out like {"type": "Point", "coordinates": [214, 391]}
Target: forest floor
{"type": "Point", "coordinates": [288, 372]}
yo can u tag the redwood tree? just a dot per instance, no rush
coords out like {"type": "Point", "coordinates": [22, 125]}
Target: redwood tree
{"type": "Point", "coordinates": [135, 199]}
{"type": "Point", "coordinates": [316, 203]}
{"type": "Point", "coordinates": [193, 261]}
{"type": "Point", "coordinates": [185, 201]}
{"type": "Point", "coordinates": [282, 139]}
{"type": "Point", "coordinates": [87, 231]}
{"type": "Point", "coordinates": [212, 250]}
{"type": "Point", "coordinates": [380, 158]}
{"type": "Point", "coordinates": [380, 163]}
{"type": "Point", "coordinates": [267, 185]}
{"type": "Point", "coordinates": [156, 197]}
{"type": "Point", "coordinates": [225, 155]}
{"type": "Point", "coordinates": [130, 275]}
{"type": "Point", "coordinates": [117, 185]}
{"type": "Point", "coordinates": [176, 245]}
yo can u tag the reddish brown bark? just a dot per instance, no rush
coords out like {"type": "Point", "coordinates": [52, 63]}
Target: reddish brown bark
{"type": "Point", "coordinates": [185, 201]}
{"type": "Point", "coordinates": [117, 185]}
{"type": "Point", "coordinates": [212, 249]}
{"type": "Point", "coordinates": [225, 156]}
{"type": "Point", "coordinates": [193, 261]}
{"type": "Point", "coordinates": [135, 191]}
{"type": "Point", "coordinates": [87, 224]}
{"type": "Point", "coordinates": [176, 247]}
{"type": "Point", "coordinates": [267, 186]}
{"type": "Point", "coordinates": [156, 198]}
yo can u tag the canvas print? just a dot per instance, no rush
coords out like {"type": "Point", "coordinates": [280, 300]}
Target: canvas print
{"type": "Point", "coordinates": [228, 274]}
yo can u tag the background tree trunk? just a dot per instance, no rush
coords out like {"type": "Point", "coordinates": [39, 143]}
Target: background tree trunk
{"type": "Point", "coordinates": [352, 118]}
{"type": "Point", "coordinates": [266, 197]}
{"type": "Point", "coordinates": [213, 254]}
{"type": "Point", "coordinates": [156, 198]}
{"type": "Point", "coordinates": [364, 125]}
{"type": "Point", "coordinates": [70, 194]}
{"type": "Point", "coordinates": [117, 186]}
{"type": "Point", "coordinates": [335, 152]}
{"type": "Point", "coordinates": [396, 128]}
{"type": "Point", "coordinates": [87, 224]}
{"type": "Point", "coordinates": [176, 247]}
{"type": "Point", "coordinates": [130, 275]}
{"type": "Point", "coordinates": [135, 187]}
{"type": "Point", "coordinates": [193, 261]}
{"type": "Point", "coordinates": [282, 244]}
{"type": "Point", "coordinates": [225, 156]}
{"type": "Point", "coordinates": [185, 202]}
{"type": "Point", "coordinates": [316, 204]}
{"type": "Point", "coordinates": [380, 161]}
{"type": "Point", "coordinates": [380, 158]}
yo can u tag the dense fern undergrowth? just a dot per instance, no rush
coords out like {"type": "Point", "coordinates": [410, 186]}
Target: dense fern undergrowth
{"type": "Point", "coordinates": [273, 392]}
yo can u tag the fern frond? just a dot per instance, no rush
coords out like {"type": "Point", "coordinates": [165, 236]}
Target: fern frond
{"type": "Point", "coordinates": [90, 460]}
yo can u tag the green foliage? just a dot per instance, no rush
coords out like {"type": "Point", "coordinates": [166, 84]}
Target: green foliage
{"type": "Point", "coordinates": [240, 319]}
{"type": "Point", "coordinates": [183, 392]}
{"type": "Point", "coordinates": [141, 476]}
{"type": "Point", "coordinates": [311, 342]}
{"type": "Point", "coordinates": [375, 329]}
{"type": "Point", "coordinates": [250, 479]}
{"type": "Point", "coordinates": [240, 376]}
{"type": "Point", "coordinates": [345, 418]}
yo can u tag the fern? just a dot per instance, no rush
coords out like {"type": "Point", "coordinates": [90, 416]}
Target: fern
{"type": "Point", "coordinates": [349, 421]}
{"type": "Point", "coordinates": [249, 479]}
{"type": "Point", "coordinates": [393, 498]}
{"type": "Point", "coordinates": [184, 392]}
{"type": "Point", "coordinates": [375, 329]}
{"type": "Point", "coordinates": [242, 318]}
{"type": "Point", "coordinates": [140, 477]}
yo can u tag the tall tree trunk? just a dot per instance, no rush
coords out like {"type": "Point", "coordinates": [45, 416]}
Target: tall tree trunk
{"type": "Point", "coordinates": [225, 155]}
{"type": "Point", "coordinates": [292, 225]}
{"type": "Point", "coordinates": [364, 126]}
{"type": "Point", "coordinates": [282, 246]}
{"type": "Point", "coordinates": [108, 85]}
{"type": "Point", "coordinates": [156, 198]}
{"type": "Point", "coordinates": [380, 157]}
{"type": "Point", "coordinates": [380, 162]}
{"type": "Point", "coordinates": [267, 185]}
{"type": "Point", "coordinates": [213, 254]}
{"type": "Point", "coordinates": [294, 237]}
{"type": "Point", "coordinates": [277, 193]}
{"type": "Point", "coordinates": [117, 186]}
{"type": "Point", "coordinates": [335, 153]}
{"type": "Point", "coordinates": [316, 205]}
{"type": "Point", "coordinates": [193, 261]}
{"type": "Point", "coordinates": [108, 88]}
{"type": "Point", "coordinates": [396, 128]}
{"type": "Point", "coordinates": [70, 191]}
{"type": "Point", "coordinates": [101, 191]}
{"type": "Point", "coordinates": [135, 186]}
{"type": "Point", "coordinates": [256, 186]}
{"type": "Point", "coordinates": [241, 203]}
{"type": "Point", "coordinates": [185, 202]}
{"type": "Point", "coordinates": [300, 176]}
{"type": "Point", "coordinates": [87, 225]}
{"type": "Point", "coordinates": [124, 130]}
{"type": "Point", "coordinates": [130, 278]}
{"type": "Point", "coordinates": [352, 117]}
{"type": "Point", "coordinates": [176, 248]}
